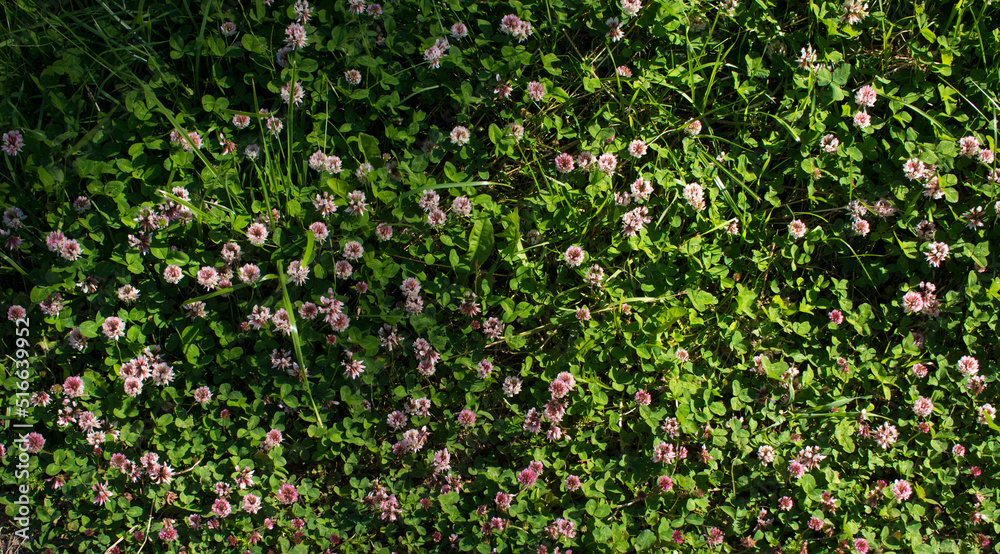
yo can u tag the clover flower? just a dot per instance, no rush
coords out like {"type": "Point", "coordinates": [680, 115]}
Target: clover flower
{"type": "Point", "coordinates": [797, 229]}
{"type": "Point", "coordinates": [766, 454]}
{"type": "Point", "coordinates": [221, 508]}
{"type": "Point", "coordinates": [113, 328]}
{"type": "Point", "coordinates": [467, 418]}
{"type": "Point", "coordinates": [968, 366]}
{"type": "Point", "coordinates": [615, 32]}
{"type": "Point", "coordinates": [297, 272]}
{"type": "Point", "coordinates": [252, 151]}
{"type": "Point", "coordinates": [595, 275]}
{"type": "Point", "coordinates": [433, 55]}
{"type": "Point", "coordinates": [973, 218]}
{"type": "Point", "coordinates": [936, 253]}
{"type": "Point", "coordinates": [203, 395]}
{"type": "Point", "coordinates": [460, 135]}
{"type": "Point", "coordinates": [353, 250]}
{"type": "Point", "coordinates": [353, 77]}
{"type": "Point", "coordinates": [607, 163]}
{"type": "Point", "coordinates": [303, 11]}
{"type": "Point", "coordinates": [511, 386]}
{"type": "Point", "coordinates": [854, 11]}
{"type": "Point", "coordinates": [914, 169]}
{"type": "Point", "coordinates": [274, 125]}
{"type": "Point", "coordinates": [295, 36]}
{"type": "Point", "coordinates": [807, 58]}
{"type": "Point", "coordinates": [287, 494]}
{"type": "Point", "coordinates": [353, 368]}
{"type": "Point", "coordinates": [257, 234]}
{"type": "Point", "coordinates": [13, 142]}
{"type": "Point", "coordinates": [862, 119]}
{"type": "Point", "coordinates": [715, 537]}
{"type": "Point", "coordinates": [102, 493]}
{"type": "Point", "coordinates": [272, 439]}
{"type": "Point", "coordinates": [484, 368]}
{"type": "Point", "coordinates": [536, 91]}
{"type": "Point", "coordinates": [249, 273]}
{"type": "Point", "coordinates": [643, 398]}
{"type": "Point", "coordinates": [866, 96]}
{"type": "Point", "coordinates": [561, 528]}
{"type": "Point", "coordinates": [829, 144]}
{"type": "Point", "coordinates": [913, 302]}
{"type": "Point", "coordinates": [923, 407]}
{"type": "Point", "coordinates": [514, 26]}
{"type": "Point", "coordinates": [73, 387]}
{"type": "Point", "coordinates": [564, 163]}
{"type": "Point", "coordinates": [665, 483]}
{"type": "Point", "coordinates": [631, 7]}
{"type": "Point", "coordinates": [637, 148]}
{"type": "Point", "coordinates": [969, 147]}
{"type": "Point", "coordinates": [462, 206]}
{"type": "Point", "coordinates": [527, 477]}
{"type": "Point", "coordinates": [574, 256]}
{"type": "Point", "coordinates": [293, 93]}
{"type": "Point", "coordinates": [901, 490]}
{"type": "Point", "coordinates": [15, 313]}
{"type": "Point", "coordinates": [319, 231]}
{"type": "Point", "coordinates": [208, 277]}
{"type": "Point", "coordinates": [886, 435]}
{"type": "Point", "coordinates": [695, 196]}
{"type": "Point", "coordinates": [251, 503]}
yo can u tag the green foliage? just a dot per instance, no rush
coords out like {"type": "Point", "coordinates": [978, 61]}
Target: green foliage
{"type": "Point", "coordinates": [725, 300]}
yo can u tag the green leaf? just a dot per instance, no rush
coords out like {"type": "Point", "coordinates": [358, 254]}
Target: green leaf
{"type": "Point", "coordinates": [842, 74]}
{"type": "Point", "coordinates": [370, 147]}
{"type": "Point", "coordinates": [496, 135]}
{"type": "Point", "coordinates": [843, 434]}
{"type": "Point", "coordinates": [989, 422]}
{"type": "Point", "coordinates": [701, 300]}
{"type": "Point", "coordinates": [448, 503]}
{"type": "Point", "coordinates": [253, 44]}
{"type": "Point", "coordinates": [644, 540]}
{"type": "Point", "coordinates": [45, 177]}
{"type": "Point", "coordinates": [747, 300]}
{"type": "Point", "coordinates": [89, 329]}
{"type": "Point", "coordinates": [307, 257]}
{"type": "Point", "coordinates": [294, 209]}
{"type": "Point", "coordinates": [208, 102]}
{"type": "Point", "coordinates": [481, 241]}
{"type": "Point", "coordinates": [808, 483]}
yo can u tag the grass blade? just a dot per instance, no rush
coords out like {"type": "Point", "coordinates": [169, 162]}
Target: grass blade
{"type": "Point", "coordinates": [296, 342]}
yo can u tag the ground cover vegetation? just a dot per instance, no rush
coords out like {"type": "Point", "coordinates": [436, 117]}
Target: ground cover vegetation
{"type": "Point", "coordinates": [539, 276]}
